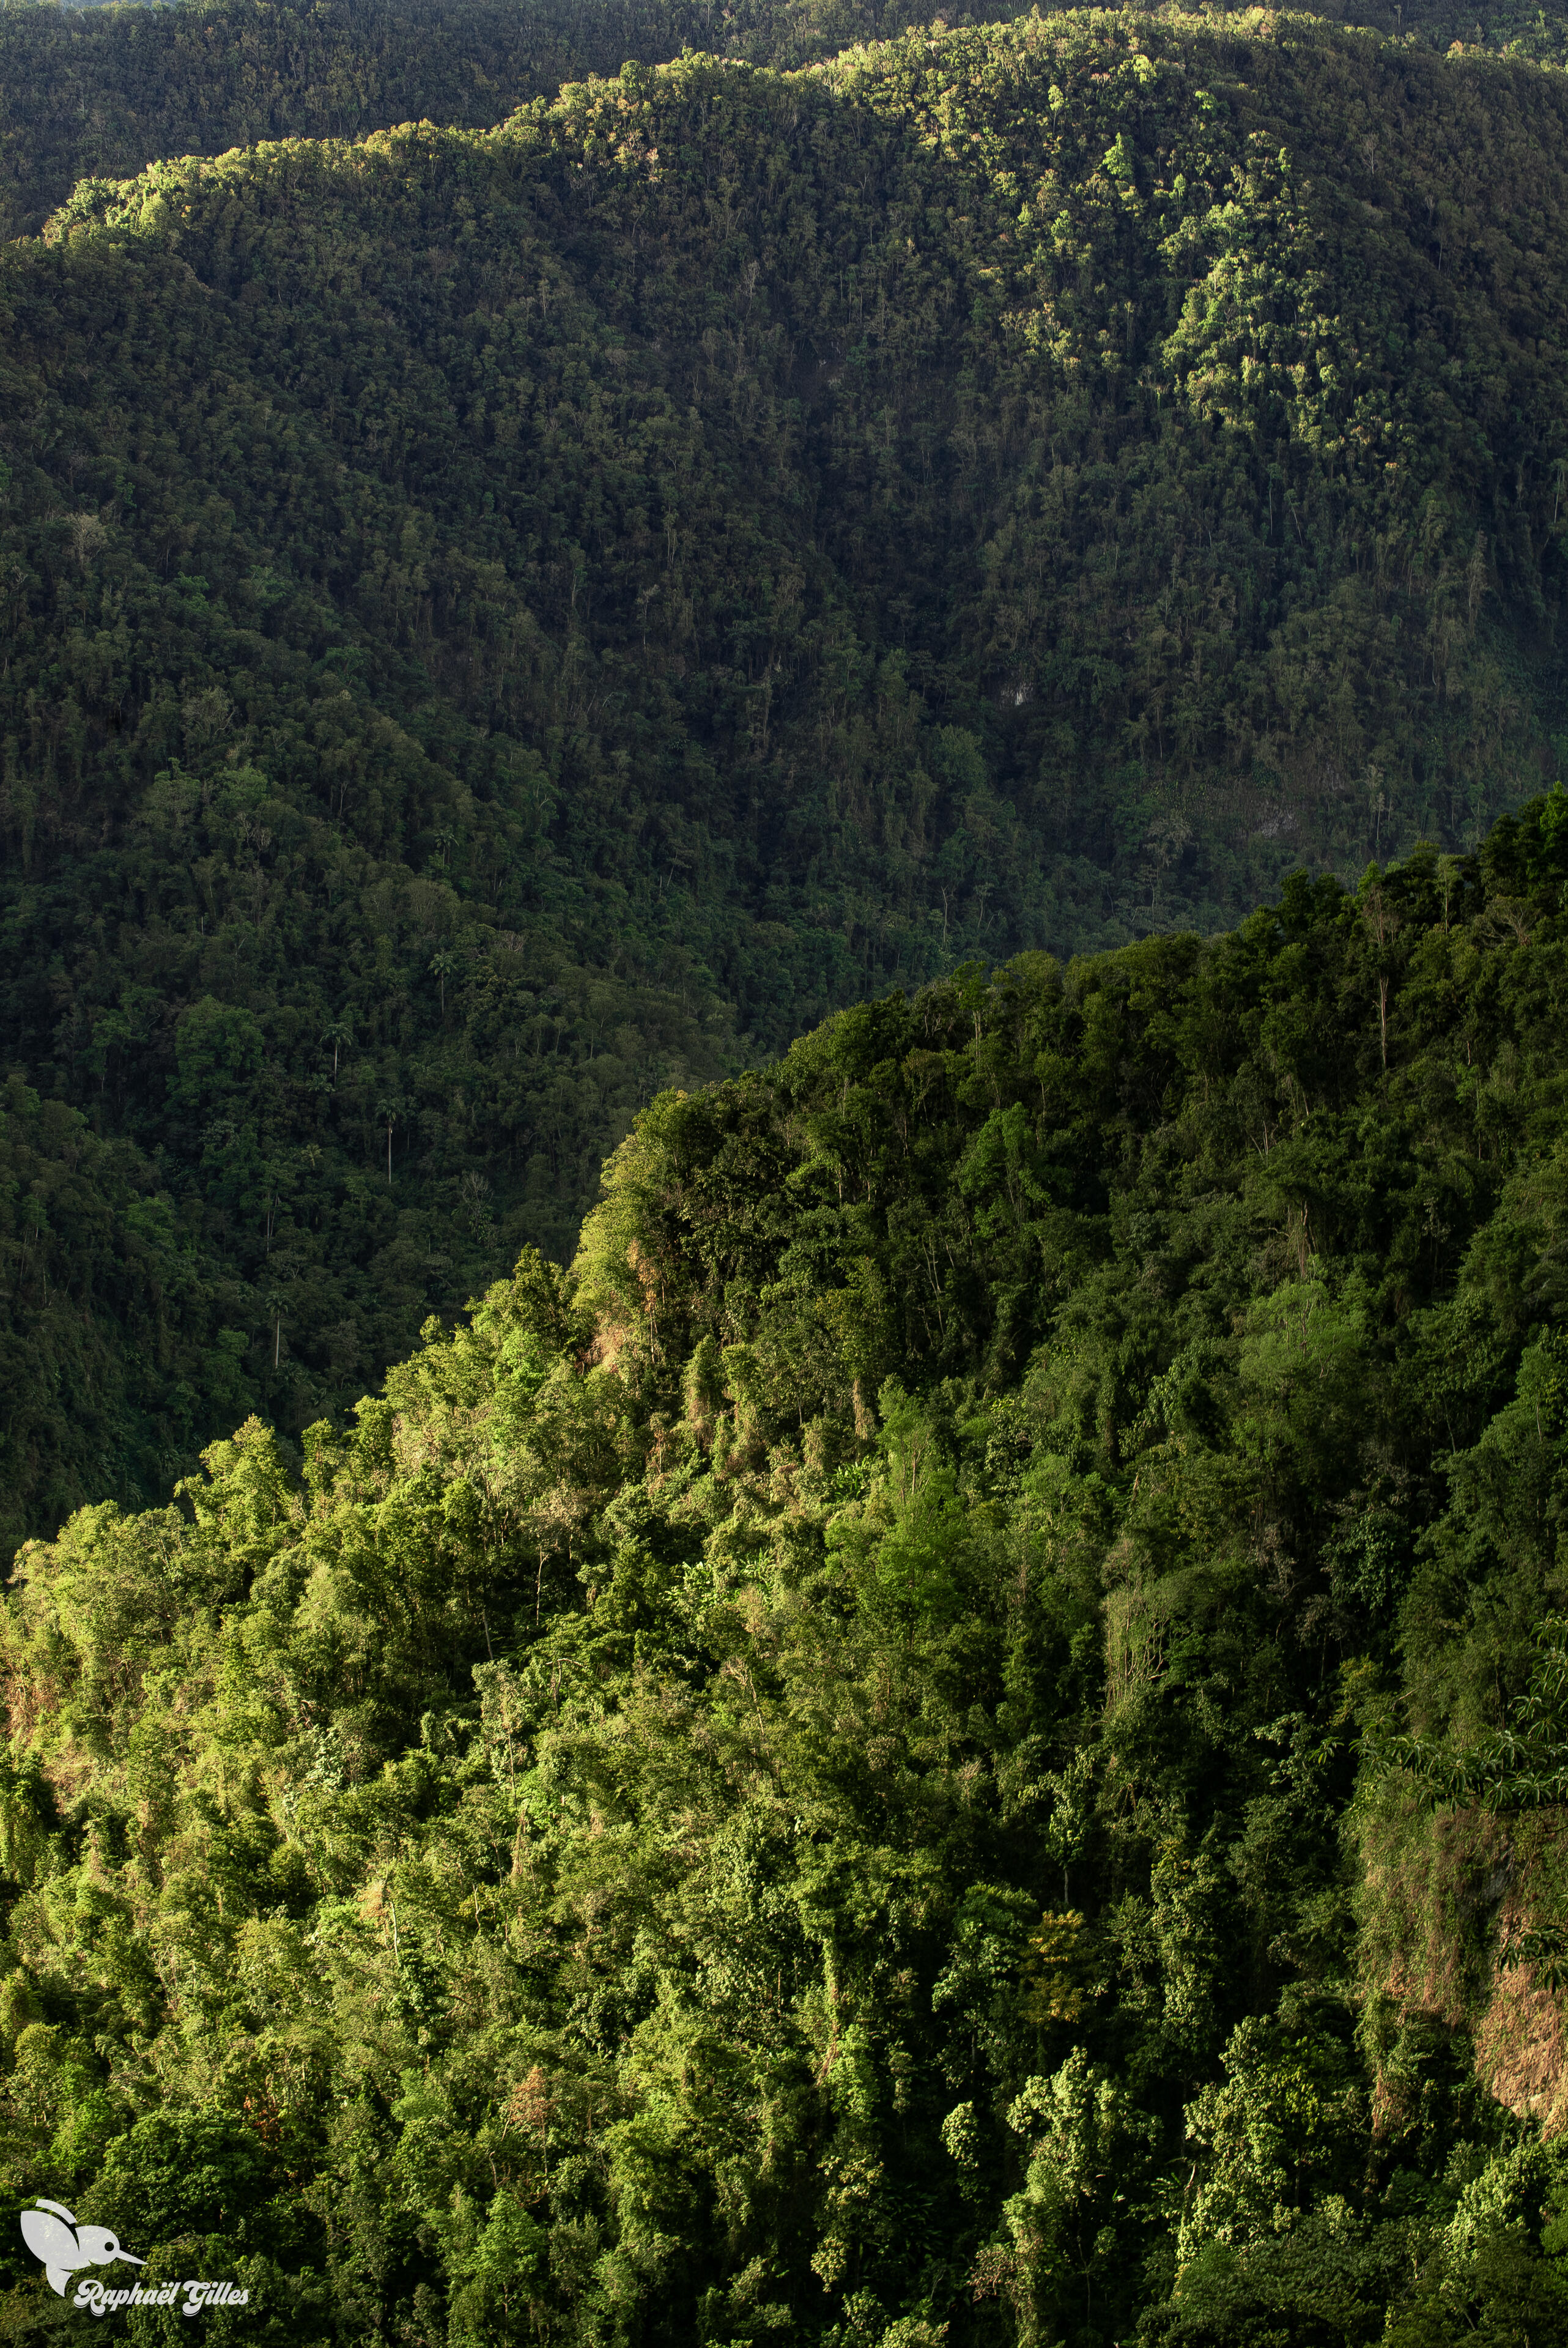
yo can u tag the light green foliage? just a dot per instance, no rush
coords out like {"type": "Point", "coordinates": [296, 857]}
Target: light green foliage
{"type": "Point", "coordinates": [831, 1774]}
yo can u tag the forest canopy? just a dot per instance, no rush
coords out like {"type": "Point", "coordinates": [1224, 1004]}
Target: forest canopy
{"type": "Point", "coordinates": [941, 1721]}
{"type": "Point", "coordinates": [499, 622]}
{"type": "Point", "coordinates": [96, 90]}
{"type": "Point", "coordinates": [958, 1737]}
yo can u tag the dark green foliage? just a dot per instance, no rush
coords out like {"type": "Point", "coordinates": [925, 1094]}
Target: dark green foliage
{"type": "Point", "coordinates": [827, 1775]}
{"type": "Point", "coordinates": [95, 92]}
{"type": "Point", "coordinates": [500, 621]}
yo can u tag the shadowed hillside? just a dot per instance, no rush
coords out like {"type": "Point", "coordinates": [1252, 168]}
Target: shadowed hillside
{"type": "Point", "coordinates": [498, 621]}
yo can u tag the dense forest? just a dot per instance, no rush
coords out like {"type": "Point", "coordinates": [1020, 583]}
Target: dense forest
{"type": "Point", "coordinates": [788, 1528]}
{"type": "Point", "coordinates": [498, 621]}
{"type": "Point", "coordinates": [958, 1737]}
{"type": "Point", "coordinates": [97, 91]}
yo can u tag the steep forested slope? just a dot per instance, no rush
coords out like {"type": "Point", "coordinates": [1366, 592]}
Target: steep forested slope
{"type": "Point", "coordinates": [495, 622]}
{"type": "Point", "coordinates": [836, 1776]}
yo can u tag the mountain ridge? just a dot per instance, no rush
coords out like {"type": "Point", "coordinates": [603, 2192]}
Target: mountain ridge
{"type": "Point", "coordinates": [503, 622]}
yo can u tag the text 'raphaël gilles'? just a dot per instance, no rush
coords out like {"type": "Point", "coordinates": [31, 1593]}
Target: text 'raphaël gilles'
{"type": "Point", "coordinates": [98, 2300]}
{"type": "Point", "coordinates": [53, 2237]}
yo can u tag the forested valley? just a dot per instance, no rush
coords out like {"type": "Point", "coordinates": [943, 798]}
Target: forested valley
{"type": "Point", "coordinates": [499, 622]}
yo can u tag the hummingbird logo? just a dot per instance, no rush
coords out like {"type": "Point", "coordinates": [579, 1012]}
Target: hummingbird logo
{"type": "Point", "coordinates": [53, 2237]}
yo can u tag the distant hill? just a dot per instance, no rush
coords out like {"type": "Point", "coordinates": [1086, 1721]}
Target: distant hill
{"type": "Point", "coordinates": [93, 92]}
{"type": "Point", "coordinates": [99, 91]}
{"type": "Point", "coordinates": [501, 620]}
